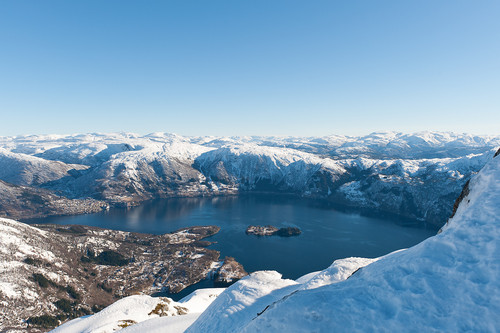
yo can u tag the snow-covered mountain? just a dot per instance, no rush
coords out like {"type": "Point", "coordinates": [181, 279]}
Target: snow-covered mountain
{"type": "Point", "coordinates": [415, 176]}
{"type": "Point", "coordinates": [449, 282]}
{"type": "Point", "coordinates": [378, 145]}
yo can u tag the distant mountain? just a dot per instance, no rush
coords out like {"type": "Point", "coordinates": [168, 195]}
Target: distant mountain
{"type": "Point", "coordinates": [410, 175]}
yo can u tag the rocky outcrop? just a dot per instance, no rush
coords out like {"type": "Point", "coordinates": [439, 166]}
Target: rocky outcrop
{"type": "Point", "coordinates": [270, 230]}
{"type": "Point", "coordinates": [259, 230]}
{"type": "Point", "coordinates": [230, 272]}
{"type": "Point", "coordinates": [465, 192]}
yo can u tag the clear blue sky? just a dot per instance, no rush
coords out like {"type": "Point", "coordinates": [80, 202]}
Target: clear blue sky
{"type": "Point", "coordinates": [260, 67]}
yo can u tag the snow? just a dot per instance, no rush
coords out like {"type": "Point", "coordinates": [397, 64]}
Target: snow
{"type": "Point", "coordinates": [339, 271]}
{"type": "Point", "coordinates": [163, 325]}
{"type": "Point", "coordinates": [305, 278]}
{"type": "Point", "coordinates": [242, 301]}
{"type": "Point", "coordinates": [9, 290]}
{"type": "Point", "coordinates": [125, 168]}
{"type": "Point", "coordinates": [200, 299]}
{"type": "Point", "coordinates": [449, 282]}
{"type": "Point", "coordinates": [13, 237]}
{"type": "Point", "coordinates": [138, 312]}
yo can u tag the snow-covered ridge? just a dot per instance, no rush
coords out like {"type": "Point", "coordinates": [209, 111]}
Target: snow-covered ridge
{"type": "Point", "coordinates": [143, 313]}
{"type": "Point", "coordinates": [412, 175]}
{"type": "Point", "coordinates": [409, 145]}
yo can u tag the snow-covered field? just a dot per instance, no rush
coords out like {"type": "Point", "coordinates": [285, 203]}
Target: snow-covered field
{"type": "Point", "coordinates": [448, 283]}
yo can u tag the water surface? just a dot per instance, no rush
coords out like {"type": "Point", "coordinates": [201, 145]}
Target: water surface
{"type": "Point", "coordinates": [327, 234]}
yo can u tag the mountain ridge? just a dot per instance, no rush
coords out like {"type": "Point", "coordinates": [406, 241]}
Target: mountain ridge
{"type": "Point", "coordinates": [123, 169]}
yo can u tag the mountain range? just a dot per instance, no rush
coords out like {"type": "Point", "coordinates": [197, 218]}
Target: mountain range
{"type": "Point", "coordinates": [413, 176]}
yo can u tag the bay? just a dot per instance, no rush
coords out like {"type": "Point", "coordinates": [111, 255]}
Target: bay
{"type": "Point", "coordinates": [327, 234]}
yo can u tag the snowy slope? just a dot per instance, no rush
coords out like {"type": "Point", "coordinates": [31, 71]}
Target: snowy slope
{"type": "Point", "coordinates": [22, 169]}
{"type": "Point", "coordinates": [18, 242]}
{"type": "Point", "coordinates": [420, 188]}
{"type": "Point", "coordinates": [143, 313]}
{"type": "Point", "coordinates": [249, 164]}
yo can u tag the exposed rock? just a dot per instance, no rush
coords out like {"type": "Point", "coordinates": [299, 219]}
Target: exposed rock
{"type": "Point", "coordinates": [465, 192]}
{"type": "Point", "coordinates": [230, 272]}
{"type": "Point", "coordinates": [288, 232]}
{"type": "Point", "coordinates": [270, 230]}
{"type": "Point", "coordinates": [260, 230]}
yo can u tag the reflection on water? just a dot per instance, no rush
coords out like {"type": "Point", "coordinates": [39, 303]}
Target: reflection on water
{"type": "Point", "coordinates": [327, 234]}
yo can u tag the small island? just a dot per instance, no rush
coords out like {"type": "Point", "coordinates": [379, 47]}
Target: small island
{"type": "Point", "coordinates": [270, 230]}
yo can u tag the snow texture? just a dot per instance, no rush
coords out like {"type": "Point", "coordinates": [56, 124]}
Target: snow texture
{"type": "Point", "coordinates": [137, 314]}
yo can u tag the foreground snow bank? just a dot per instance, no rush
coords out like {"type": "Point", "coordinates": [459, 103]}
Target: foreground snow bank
{"type": "Point", "coordinates": [144, 313]}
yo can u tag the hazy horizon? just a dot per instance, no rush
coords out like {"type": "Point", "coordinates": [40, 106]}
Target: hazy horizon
{"type": "Point", "coordinates": [251, 135]}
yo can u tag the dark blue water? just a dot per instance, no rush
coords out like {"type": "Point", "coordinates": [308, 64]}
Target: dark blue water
{"type": "Point", "coordinates": [327, 234]}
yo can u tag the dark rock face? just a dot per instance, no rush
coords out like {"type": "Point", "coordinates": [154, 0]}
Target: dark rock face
{"type": "Point", "coordinates": [288, 232]}
{"type": "Point", "coordinates": [465, 192]}
{"type": "Point", "coordinates": [270, 230]}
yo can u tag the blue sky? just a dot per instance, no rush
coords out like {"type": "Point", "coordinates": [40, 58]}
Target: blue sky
{"type": "Point", "coordinates": [249, 67]}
